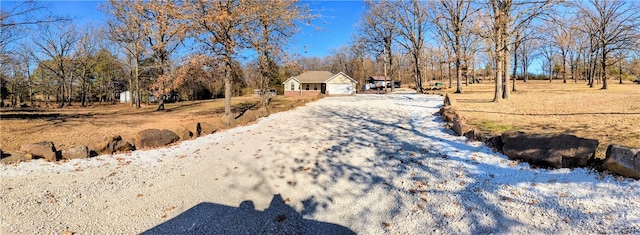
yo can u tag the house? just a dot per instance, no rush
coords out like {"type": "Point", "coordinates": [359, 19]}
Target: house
{"type": "Point", "coordinates": [319, 82]}
{"type": "Point", "coordinates": [127, 97]}
{"type": "Point", "coordinates": [378, 82]}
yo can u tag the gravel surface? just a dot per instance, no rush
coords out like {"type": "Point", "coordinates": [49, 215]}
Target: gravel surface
{"type": "Point", "coordinates": [366, 164]}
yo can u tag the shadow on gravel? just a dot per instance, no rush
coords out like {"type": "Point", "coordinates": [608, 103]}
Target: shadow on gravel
{"type": "Point", "coordinates": [212, 218]}
{"type": "Point", "coordinates": [422, 160]}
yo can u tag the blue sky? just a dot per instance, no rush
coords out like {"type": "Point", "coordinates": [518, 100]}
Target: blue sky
{"type": "Point", "coordinates": [332, 29]}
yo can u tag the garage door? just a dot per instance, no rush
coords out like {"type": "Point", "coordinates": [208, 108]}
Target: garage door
{"type": "Point", "coordinates": [340, 88]}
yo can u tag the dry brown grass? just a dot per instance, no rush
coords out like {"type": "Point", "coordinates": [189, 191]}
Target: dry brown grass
{"type": "Point", "coordinates": [611, 116]}
{"type": "Point", "coordinates": [73, 126]}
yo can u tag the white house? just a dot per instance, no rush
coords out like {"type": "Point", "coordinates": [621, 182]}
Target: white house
{"type": "Point", "coordinates": [127, 97]}
{"type": "Point", "coordinates": [319, 82]}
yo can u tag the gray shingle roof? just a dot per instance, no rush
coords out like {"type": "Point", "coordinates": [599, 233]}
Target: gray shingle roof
{"type": "Point", "coordinates": [314, 76]}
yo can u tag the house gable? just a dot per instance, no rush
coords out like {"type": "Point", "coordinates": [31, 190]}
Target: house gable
{"type": "Point", "coordinates": [341, 78]}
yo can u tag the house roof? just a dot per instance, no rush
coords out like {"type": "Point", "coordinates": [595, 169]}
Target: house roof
{"type": "Point", "coordinates": [379, 78]}
{"type": "Point", "coordinates": [313, 77]}
{"type": "Point", "coordinates": [317, 77]}
{"type": "Point", "coordinates": [343, 74]}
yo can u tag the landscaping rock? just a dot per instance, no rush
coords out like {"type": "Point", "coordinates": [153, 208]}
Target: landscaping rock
{"type": "Point", "coordinates": [228, 121]}
{"type": "Point", "coordinates": [262, 112]}
{"type": "Point", "coordinates": [151, 138]}
{"type": "Point", "coordinates": [114, 144]}
{"type": "Point", "coordinates": [549, 150]}
{"type": "Point", "coordinates": [79, 152]}
{"type": "Point", "coordinates": [460, 126]}
{"type": "Point", "coordinates": [449, 113]}
{"type": "Point", "coordinates": [14, 157]}
{"type": "Point", "coordinates": [185, 133]}
{"type": "Point", "coordinates": [205, 128]}
{"type": "Point", "coordinates": [45, 149]}
{"type": "Point", "coordinates": [622, 160]}
{"type": "Point", "coordinates": [107, 146]}
{"type": "Point", "coordinates": [247, 117]}
{"type": "Point", "coordinates": [123, 146]}
{"type": "Point", "coordinates": [449, 100]}
{"type": "Point", "coordinates": [495, 142]}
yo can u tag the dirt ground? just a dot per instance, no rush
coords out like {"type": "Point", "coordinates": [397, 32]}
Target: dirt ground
{"type": "Point", "coordinates": [611, 116]}
{"type": "Point", "coordinates": [74, 126]}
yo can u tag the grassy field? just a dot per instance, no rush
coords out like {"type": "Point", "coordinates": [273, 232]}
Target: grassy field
{"type": "Point", "coordinates": [74, 126]}
{"type": "Point", "coordinates": [611, 116]}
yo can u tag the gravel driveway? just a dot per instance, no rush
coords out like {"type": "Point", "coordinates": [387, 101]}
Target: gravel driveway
{"type": "Point", "coordinates": [366, 164]}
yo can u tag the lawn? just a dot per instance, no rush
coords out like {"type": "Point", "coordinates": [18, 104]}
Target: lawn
{"type": "Point", "coordinates": [74, 126]}
{"type": "Point", "coordinates": [611, 116]}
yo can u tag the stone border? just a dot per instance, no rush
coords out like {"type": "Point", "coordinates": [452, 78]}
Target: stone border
{"type": "Point", "coordinates": [620, 160]}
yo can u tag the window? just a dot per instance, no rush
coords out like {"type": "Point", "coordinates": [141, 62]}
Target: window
{"type": "Point", "coordinates": [315, 87]}
{"type": "Point", "coordinates": [306, 87]}
{"type": "Point", "coordinates": [293, 86]}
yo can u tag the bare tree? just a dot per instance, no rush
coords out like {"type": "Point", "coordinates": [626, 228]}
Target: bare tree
{"type": "Point", "coordinates": [54, 46]}
{"type": "Point", "coordinates": [411, 20]}
{"type": "Point", "coordinates": [85, 61]}
{"type": "Point", "coordinates": [452, 18]}
{"type": "Point", "coordinates": [220, 24]}
{"type": "Point", "coordinates": [503, 18]}
{"type": "Point", "coordinates": [125, 28]}
{"type": "Point", "coordinates": [378, 33]}
{"type": "Point", "coordinates": [613, 25]}
{"type": "Point", "coordinates": [271, 26]}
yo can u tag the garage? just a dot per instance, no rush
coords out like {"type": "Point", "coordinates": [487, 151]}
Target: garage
{"type": "Point", "coordinates": [313, 83]}
{"type": "Point", "coordinates": [341, 84]}
{"type": "Point", "coordinates": [340, 89]}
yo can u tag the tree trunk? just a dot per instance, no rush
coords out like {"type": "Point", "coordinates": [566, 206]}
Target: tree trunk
{"type": "Point", "coordinates": [230, 119]}
{"type": "Point", "coordinates": [498, 77]}
{"type": "Point", "coordinates": [620, 67]}
{"type": "Point", "coordinates": [604, 71]}
{"type": "Point", "coordinates": [564, 67]}
{"type": "Point", "coordinates": [507, 65]}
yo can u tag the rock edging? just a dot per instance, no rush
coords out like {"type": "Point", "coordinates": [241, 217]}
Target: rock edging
{"type": "Point", "coordinates": [547, 150]}
{"type": "Point", "coordinates": [148, 138]}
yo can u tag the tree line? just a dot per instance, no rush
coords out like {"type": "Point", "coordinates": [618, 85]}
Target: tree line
{"type": "Point", "coordinates": [196, 49]}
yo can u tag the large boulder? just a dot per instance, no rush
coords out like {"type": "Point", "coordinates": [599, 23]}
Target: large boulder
{"type": "Point", "coordinates": [449, 113]}
{"type": "Point", "coordinates": [123, 146]}
{"type": "Point", "coordinates": [549, 150]}
{"type": "Point", "coordinates": [205, 128]}
{"type": "Point", "coordinates": [247, 117]}
{"type": "Point", "coordinates": [151, 138]}
{"type": "Point", "coordinates": [228, 121]}
{"type": "Point", "coordinates": [185, 134]}
{"type": "Point", "coordinates": [460, 127]}
{"type": "Point", "coordinates": [262, 112]}
{"type": "Point", "coordinates": [113, 144]}
{"type": "Point", "coordinates": [79, 152]}
{"type": "Point", "coordinates": [45, 149]}
{"type": "Point", "coordinates": [14, 157]}
{"type": "Point", "coordinates": [622, 160]}
{"type": "Point", "coordinates": [449, 100]}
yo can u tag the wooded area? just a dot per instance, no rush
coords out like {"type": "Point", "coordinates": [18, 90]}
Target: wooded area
{"type": "Point", "coordinates": [189, 50]}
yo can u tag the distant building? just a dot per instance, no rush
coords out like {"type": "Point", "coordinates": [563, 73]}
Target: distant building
{"type": "Point", "coordinates": [319, 82]}
{"type": "Point", "coordinates": [126, 97]}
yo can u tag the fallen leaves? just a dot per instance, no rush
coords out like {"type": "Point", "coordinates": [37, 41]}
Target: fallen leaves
{"type": "Point", "coordinates": [66, 232]}
{"type": "Point", "coordinates": [507, 199]}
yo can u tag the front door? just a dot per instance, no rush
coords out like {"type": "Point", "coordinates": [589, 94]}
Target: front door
{"type": "Point", "coordinates": [323, 88]}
